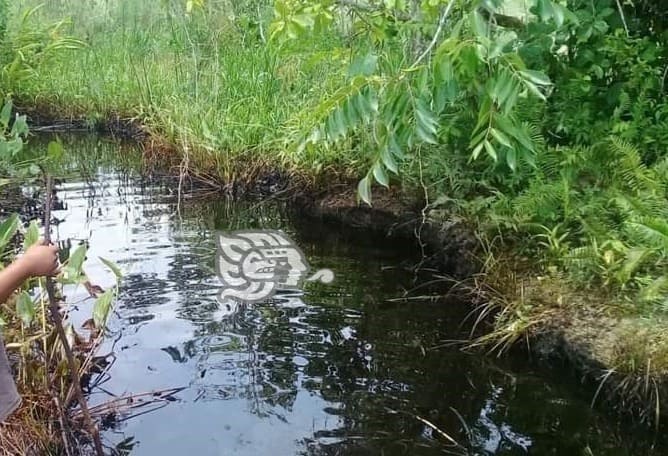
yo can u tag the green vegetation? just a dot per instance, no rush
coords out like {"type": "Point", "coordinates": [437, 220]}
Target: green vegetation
{"type": "Point", "coordinates": [53, 357]}
{"type": "Point", "coordinates": [202, 79]}
{"type": "Point", "coordinates": [548, 134]}
{"type": "Point", "coordinates": [545, 127]}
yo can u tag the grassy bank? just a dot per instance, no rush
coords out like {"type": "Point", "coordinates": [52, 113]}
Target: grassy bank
{"type": "Point", "coordinates": [206, 81]}
{"type": "Point", "coordinates": [546, 132]}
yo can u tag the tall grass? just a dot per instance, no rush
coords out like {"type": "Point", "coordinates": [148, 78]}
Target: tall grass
{"type": "Point", "coordinates": [205, 80]}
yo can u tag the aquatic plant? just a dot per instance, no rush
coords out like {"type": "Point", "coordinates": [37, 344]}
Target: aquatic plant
{"type": "Point", "coordinates": [53, 357]}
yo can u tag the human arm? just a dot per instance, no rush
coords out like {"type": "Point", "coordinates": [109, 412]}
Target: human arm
{"type": "Point", "coordinates": [39, 260]}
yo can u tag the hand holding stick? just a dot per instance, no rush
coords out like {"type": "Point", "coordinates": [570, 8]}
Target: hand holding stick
{"type": "Point", "coordinates": [60, 330]}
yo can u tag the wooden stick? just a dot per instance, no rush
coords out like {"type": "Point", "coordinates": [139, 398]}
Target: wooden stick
{"type": "Point", "coordinates": [60, 330]}
{"type": "Point", "coordinates": [63, 428]}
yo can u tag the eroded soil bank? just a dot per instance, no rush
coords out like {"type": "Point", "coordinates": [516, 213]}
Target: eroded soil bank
{"type": "Point", "coordinates": [568, 331]}
{"type": "Point", "coordinates": [589, 344]}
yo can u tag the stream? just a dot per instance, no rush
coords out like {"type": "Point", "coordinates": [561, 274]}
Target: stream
{"type": "Point", "coordinates": [344, 368]}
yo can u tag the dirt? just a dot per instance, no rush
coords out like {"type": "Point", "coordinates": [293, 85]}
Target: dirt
{"type": "Point", "coordinates": [448, 245]}
{"type": "Point", "coordinates": [620, 356]}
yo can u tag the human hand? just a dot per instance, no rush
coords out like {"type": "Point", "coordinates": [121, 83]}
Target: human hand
{"type": "Point", "coordinates": [40, 260]}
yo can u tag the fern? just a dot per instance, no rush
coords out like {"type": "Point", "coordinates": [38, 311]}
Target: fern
{"type": "Point", "coordinates": [542, 201]}
{"type": "Point", "coordinates": [628, 168]}
{"type": "Point", "coordinates": [654, 231]}
{"type": "Point", "coordinates": [655, 291]}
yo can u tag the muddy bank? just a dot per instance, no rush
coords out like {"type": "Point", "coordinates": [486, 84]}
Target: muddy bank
{"type": "Point", "coordinates": [588, 344]}
{"type": "Point", "coordinates": [578, 333]}
{"type": "Point", "coordinates": [619, 356]}
{"type": "Point", "coordinates": [449, 246]}
{"type": "Point", "coordinates": [47, 119]}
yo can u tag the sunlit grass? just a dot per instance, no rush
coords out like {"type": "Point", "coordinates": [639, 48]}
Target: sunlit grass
{"type": "Point", "coordinates": [199, 81]}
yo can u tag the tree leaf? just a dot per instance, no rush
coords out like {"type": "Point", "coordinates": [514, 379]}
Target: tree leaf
{"type": "Point", "coordinates": [655, 290]}
{"type": "Point", "coordinates": [558, 14]}
{"type": "Point", "coordinates": [363, 65]}
{"type": "Point", "coordinates": [425, 123]}
{"type": "Point", "coordinates": [501, 138]}
{"type": "Point", "coordinates": [490, 150]}
{"type": "Point", "coordinates": [54, 150]}
{"type": "Point", "coordinates": [476, 151]}
{"type": "Point", "coordinates": [303, 21]}
{"type": "Point", "coordinates": [634, 259]}
{"type": "Point", "coordinates": [545, 10]}
{"type": "Point", "coordinates": [511, 158]}
{"type": "Point", "coordinates": [350, 113]}
{"type": "Point", "coordinates": [364, 190]}
{"type": "Point", "coordinates": [536, 77]}
{"type": "Point", "coordinates": [20, 126]}
{"type": "Point", "coordinates": [388, 160]}
{"type": "Point", "coordinates": [533, 89]}
{"type": "Point", "coordinates": [479, 25]}
{"type": "Point", "coordinates": [516, 131]}
{"type": "Point", "coordinates": [6, 114]}
{"type": "Point", "coordinates": [380, 175]}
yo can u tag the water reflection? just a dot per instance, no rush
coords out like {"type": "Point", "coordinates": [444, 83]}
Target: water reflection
{"type": "Point", "coordinates": [328, 370]}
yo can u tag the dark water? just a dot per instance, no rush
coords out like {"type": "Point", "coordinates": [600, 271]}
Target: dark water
{"type": "Point", "coordinates": [340, 369]}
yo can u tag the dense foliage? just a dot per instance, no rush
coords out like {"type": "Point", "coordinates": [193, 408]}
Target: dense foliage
{"type": "Point", "coordinates": [549, 126]}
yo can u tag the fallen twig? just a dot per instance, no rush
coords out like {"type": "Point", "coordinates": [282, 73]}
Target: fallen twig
{"type": "Point", "coordinates": [134, 401]}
